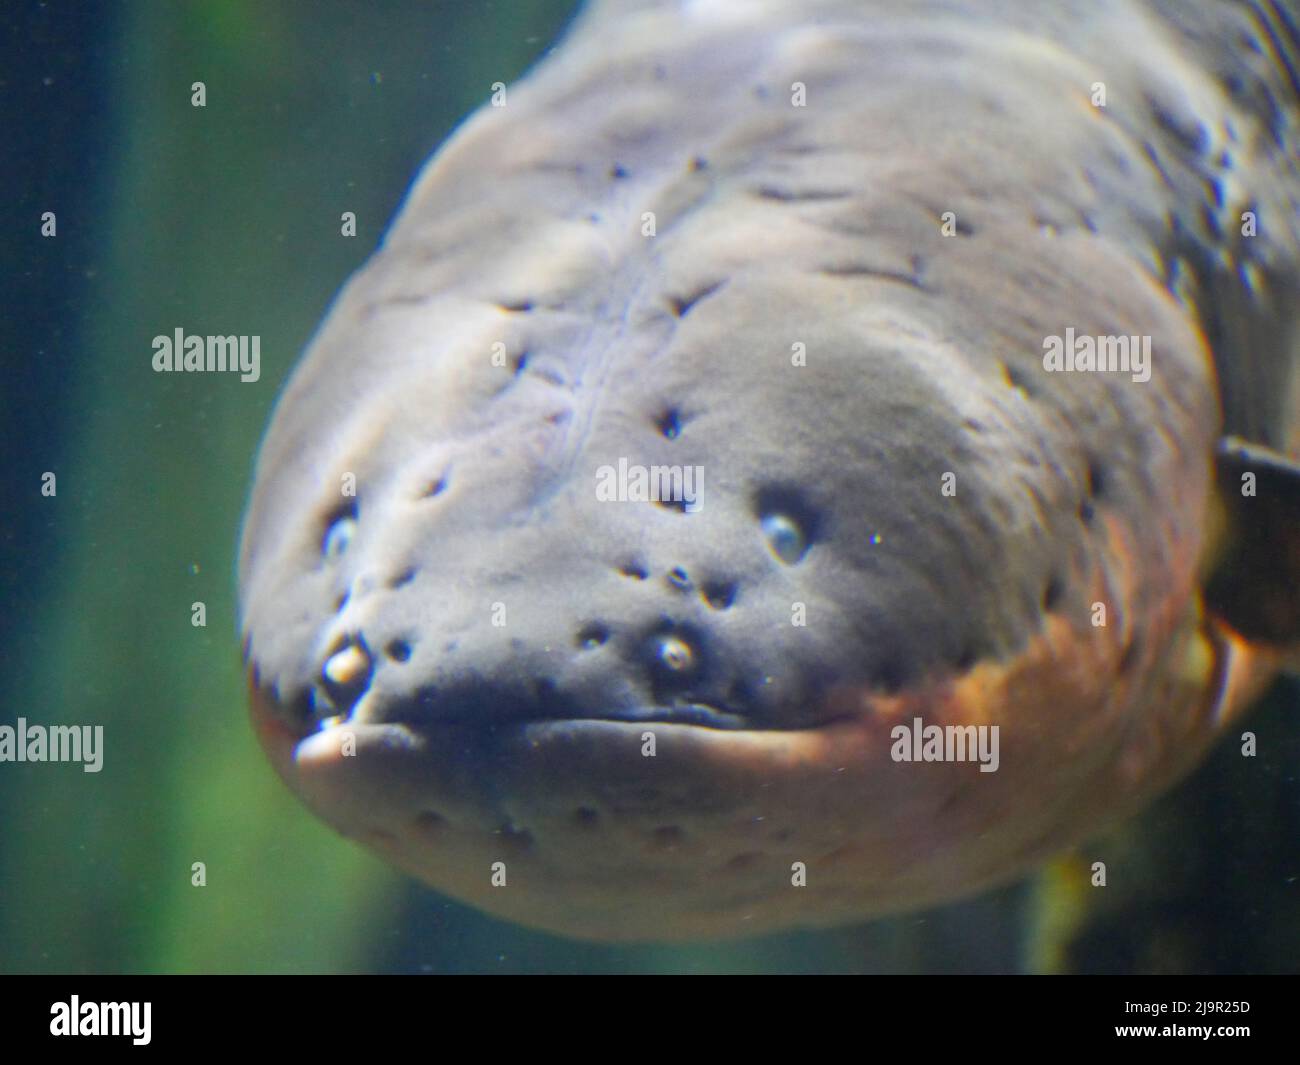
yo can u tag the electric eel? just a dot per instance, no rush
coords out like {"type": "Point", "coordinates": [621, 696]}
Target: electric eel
{"type": "Point", "coordinates": [794, 462]}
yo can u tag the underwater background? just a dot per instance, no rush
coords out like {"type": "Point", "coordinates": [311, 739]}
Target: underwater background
{"type": "Point", "coordinates": [225, 219]}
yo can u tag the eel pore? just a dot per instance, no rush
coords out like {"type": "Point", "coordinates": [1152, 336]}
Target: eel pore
{"type": "Point", "coordinates": [760, 386]}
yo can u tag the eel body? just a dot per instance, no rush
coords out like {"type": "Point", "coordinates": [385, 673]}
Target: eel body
{"type": "Point", "coordinates": [813, 260]}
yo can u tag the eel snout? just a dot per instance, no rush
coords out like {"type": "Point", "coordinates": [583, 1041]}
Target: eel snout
{"type": "Point", "coordinates": [651, 709]}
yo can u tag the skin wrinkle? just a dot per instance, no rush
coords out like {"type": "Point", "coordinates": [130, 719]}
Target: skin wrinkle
{"type": "Point", "coordinates": [489, 743]}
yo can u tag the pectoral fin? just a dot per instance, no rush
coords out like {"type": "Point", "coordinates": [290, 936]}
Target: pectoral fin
{"type": "Point", "coordinates": [1255, 584]}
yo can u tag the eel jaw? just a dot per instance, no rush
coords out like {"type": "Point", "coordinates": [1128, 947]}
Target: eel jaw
{"type": "Point", "coordinates": [569, 826]}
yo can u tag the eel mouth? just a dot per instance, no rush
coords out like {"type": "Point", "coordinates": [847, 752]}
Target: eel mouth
{"type": "Point", "coordinates": [692, 715]}
{"type": "Point", "coordinates": [603, 840]}
{"type": "Point", "coordinates": [494, 709]}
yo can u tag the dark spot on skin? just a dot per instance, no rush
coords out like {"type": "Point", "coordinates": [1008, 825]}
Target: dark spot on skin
{"type": "Point", "coordinates": [719, 594]}
{"type": "Point", "coordinates": [634, 570]}
{"type": "Point", "coordinates": [434, 488]}
{"type": "Point", "coordinates": [1191, 135]}
{"type": "Point", "coordinates": [617, 172]}
{"type": "Point", "coordinates": [742, 862]}
{"type": "Point", "coordinates": [1086, 512]}
{"type": "Point", "coordinates": [339, 526]}
{"type": "Point", "coordinates": [789, 522]}
{"type": "Point", "coordinates": [668, 836]}
{"type": "Point", "coordinates": [682, 305]}
{"type": "Point", "coordinates": [1096, 479]}
{"type": "Point", "coordinates": [1018, 379]}
{"type": "Point", "coordinates": [522, 307]}
{"type": "Point", "coordinates": [1052, 593]}
{"type": "Point", "coordinates": [521, 363]}
{"type": "Point", "coordinates": [963, 228]}
{"type": "Point", "coordinates": [550, 374]}
{"type": "Point", "coordinates": [890, 676]}
{"type": "Point", "coordinates": [678, 505]}
{"type": "Point", "coordinates": [1173, 275]}
{"type": "Point", "coordinates": [585, 817]}
{"type": "Point", "coordinates": [1216, 191]}
{"type": "Point", "coordinates": [592, 636]}
{"type": "Point", "coordinates": [405, 577]}
{"type": "Point", "coordinates": [675, 656]}
{"type": "Point", "coordinates": [785, 537]}
{"type": "Point", "coordinates": [1211, 221]}
{"type": "Point", "coordinates": [398, 650]}
{"type": "Point", "coordinates": [1154, 156]}
{"type": "Point", "coordinates": [669, 424]}
{"type": "Point", "coordinates": [863, 270]}
{"type": "Point", "coordinates": [699, 163]}
{"type": "Point", "coordinates": [771, 192]}
{"type": "Point", "coordinates": [299, 706]}
{"type": "Point", "coordinates": [679, 579]}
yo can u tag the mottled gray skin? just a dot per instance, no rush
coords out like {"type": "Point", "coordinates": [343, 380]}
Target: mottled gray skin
{"type": "Point", "coordinates": [778, 225]}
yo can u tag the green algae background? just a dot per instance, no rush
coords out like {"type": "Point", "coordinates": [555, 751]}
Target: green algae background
{"type": "Point", "coordinates": [225, 219]}
{"type": "Point", "coordinates": [221, 219]}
